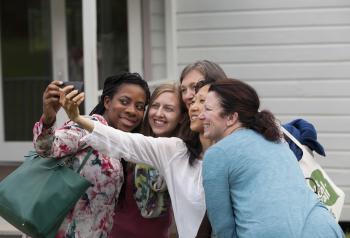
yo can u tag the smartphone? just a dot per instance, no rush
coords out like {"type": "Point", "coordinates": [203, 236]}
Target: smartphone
{"type": "Point", "coordinates": [78, 85]}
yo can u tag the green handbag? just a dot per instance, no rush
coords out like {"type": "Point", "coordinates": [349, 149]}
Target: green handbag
{"type": "Point", "coordinates": [37, 196]}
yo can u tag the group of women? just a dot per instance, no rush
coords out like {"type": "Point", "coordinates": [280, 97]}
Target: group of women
{"type": "Point", "coordinates": [249, 182]}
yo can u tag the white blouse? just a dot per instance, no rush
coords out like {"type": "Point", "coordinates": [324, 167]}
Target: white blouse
{"type": "Point", "coordinates": [168, 155]}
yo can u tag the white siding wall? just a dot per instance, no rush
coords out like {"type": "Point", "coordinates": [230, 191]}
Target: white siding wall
{"type": "Point", "coordinates": [296, 53]}
{"type": "Point", "coordinates": [158, 52]}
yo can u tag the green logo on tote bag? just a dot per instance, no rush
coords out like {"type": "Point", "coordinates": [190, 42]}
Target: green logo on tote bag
{"type": "Point", "coordinates": [323, 189]}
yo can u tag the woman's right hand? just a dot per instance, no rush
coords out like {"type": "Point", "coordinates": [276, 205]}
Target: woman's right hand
{"type": "Point", "coordinates": [51, 103]}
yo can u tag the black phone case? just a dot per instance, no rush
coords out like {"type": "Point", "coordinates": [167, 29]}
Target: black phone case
{"type": "Point", "coordinates": [78, 85]}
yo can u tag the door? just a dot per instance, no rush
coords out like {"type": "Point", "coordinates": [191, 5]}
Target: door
{"type": "Point", "coordinates": [25, 70]}
{"type": "Point", "coordinates": [57, 40]}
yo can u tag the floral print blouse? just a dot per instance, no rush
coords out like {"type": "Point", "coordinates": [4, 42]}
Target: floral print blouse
{"type": "Point", "coordinates": [92, 216]}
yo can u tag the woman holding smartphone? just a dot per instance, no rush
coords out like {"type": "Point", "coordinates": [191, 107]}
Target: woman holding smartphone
{"type": "Point", "coordinates": [180, 163]}
{"type": "Point", "coordinates": [121, 106]}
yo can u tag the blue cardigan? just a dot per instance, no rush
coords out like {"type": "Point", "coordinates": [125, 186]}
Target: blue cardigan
{"type": "Point", "coordinates": [255, 188]}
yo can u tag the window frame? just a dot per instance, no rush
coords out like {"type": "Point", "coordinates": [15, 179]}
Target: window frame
{"type": "Point", "coordinates": [13, 152]}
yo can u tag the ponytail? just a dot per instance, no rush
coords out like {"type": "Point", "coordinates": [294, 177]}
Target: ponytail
{"type": "Point", "coordinates": [237, 96]}
{"type": "Point", "coordinates": [264, 123]}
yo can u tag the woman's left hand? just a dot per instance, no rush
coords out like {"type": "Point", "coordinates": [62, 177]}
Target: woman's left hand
{"type": "Point", "coordinates": [70, 102]}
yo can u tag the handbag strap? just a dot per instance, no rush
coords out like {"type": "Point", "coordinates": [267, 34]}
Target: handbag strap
{"type": "Point", "coordinates": [89, 152]}
{"type": "Point", "coordinates": [65, 158]}
{"type": "Point", "coordinates": [290, 136]}
{"type": "Point", "coordinates": [305, 149]}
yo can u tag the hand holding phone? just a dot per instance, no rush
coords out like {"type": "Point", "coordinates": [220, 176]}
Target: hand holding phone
{"type": "Point", "coordinates": [78, 85]}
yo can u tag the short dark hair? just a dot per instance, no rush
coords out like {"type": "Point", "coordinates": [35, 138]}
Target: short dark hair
{"type": "Point", "coordinates": [113, 83]}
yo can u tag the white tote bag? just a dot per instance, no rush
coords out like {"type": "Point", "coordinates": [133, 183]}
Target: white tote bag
{"type": "Point", "coordinates": [318, 181]}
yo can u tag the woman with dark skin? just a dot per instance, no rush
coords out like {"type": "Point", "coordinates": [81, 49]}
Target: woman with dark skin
{"type": "Point", "coordinates": [181, 170]}
{"type": "Point", "coordinates": [122, 106]}
{"type": "Point", "coordinates": [194, 149]}
{"type": "Point", "coordinates": [171, 156]}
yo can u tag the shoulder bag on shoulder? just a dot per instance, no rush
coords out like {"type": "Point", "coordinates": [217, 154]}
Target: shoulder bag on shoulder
{"type": "Point", "coordinates": [318, 180]}
{"type": "Point", "coordinates": [37, 196]}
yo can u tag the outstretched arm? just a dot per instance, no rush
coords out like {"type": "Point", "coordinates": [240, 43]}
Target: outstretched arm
{"type": "Point", "coordinates": [115, 143]}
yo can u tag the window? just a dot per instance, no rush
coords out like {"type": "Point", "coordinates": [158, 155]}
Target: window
{"type": "Point", "coordinates": [26, 64]}
{"type": "Point", "coordinates": [29, 60]}
{"type": "Point", "coordinates": [112, 38]}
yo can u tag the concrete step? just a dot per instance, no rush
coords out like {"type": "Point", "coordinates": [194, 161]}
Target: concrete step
{"type": "Point", "coordinates": [7, 229]}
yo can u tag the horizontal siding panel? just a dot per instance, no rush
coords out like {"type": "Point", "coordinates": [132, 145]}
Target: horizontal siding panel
{"type": "Point", "coordinates": [157, 23]}
{"type": "Point", "coordinates": [158, 39]}
{"type": "Point", "coordinates": [345, 215]}
{"type": "Point", "coordinates": [335, 142]}
{"type": "Point", "coordinates": [224, 5]}
{"type": "Point", "coordinates": [323, 124]}
{"type": "Point", "coordinates": [158, 56]}
{"type": "Point", "coordinates": [335, 159]}
{"type": "Point", "coordinates": [340, 178]}
{"type": "Point", "coordinates": [336, 148]}
{"type": "Point", "coordinates": [269, 54]}
{"type": "Point", "coordinates": [314, 88]}
{"type": "Point", "coordinates": [312, 106]}
{"type": "Point", "coordinates": [266, 19]}
{"type": "Point", "coordinates": [158, 72]}
{"type": "Point", "coordinates": [295, 53]}
{"type": "Point", "coordinates": [281, 71]}
{"type": "Point", "coordinates": [157, 26]}
{"type": "Point", "coordinates": [246, 37]}
{"type": "Point", "coordinates": [157, 6]}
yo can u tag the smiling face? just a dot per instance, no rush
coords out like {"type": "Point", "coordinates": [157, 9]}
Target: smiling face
{"type": "Point", "coordinates": [164, 114]}
{"type": "Point", "coordinates": [125, 109]}
{"type": "Point", "coordinates": [188, 86]}
{"type": "Point", "coordinates": [196, 107]}
{"type": "Point", "coordinates": [215, 124]}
